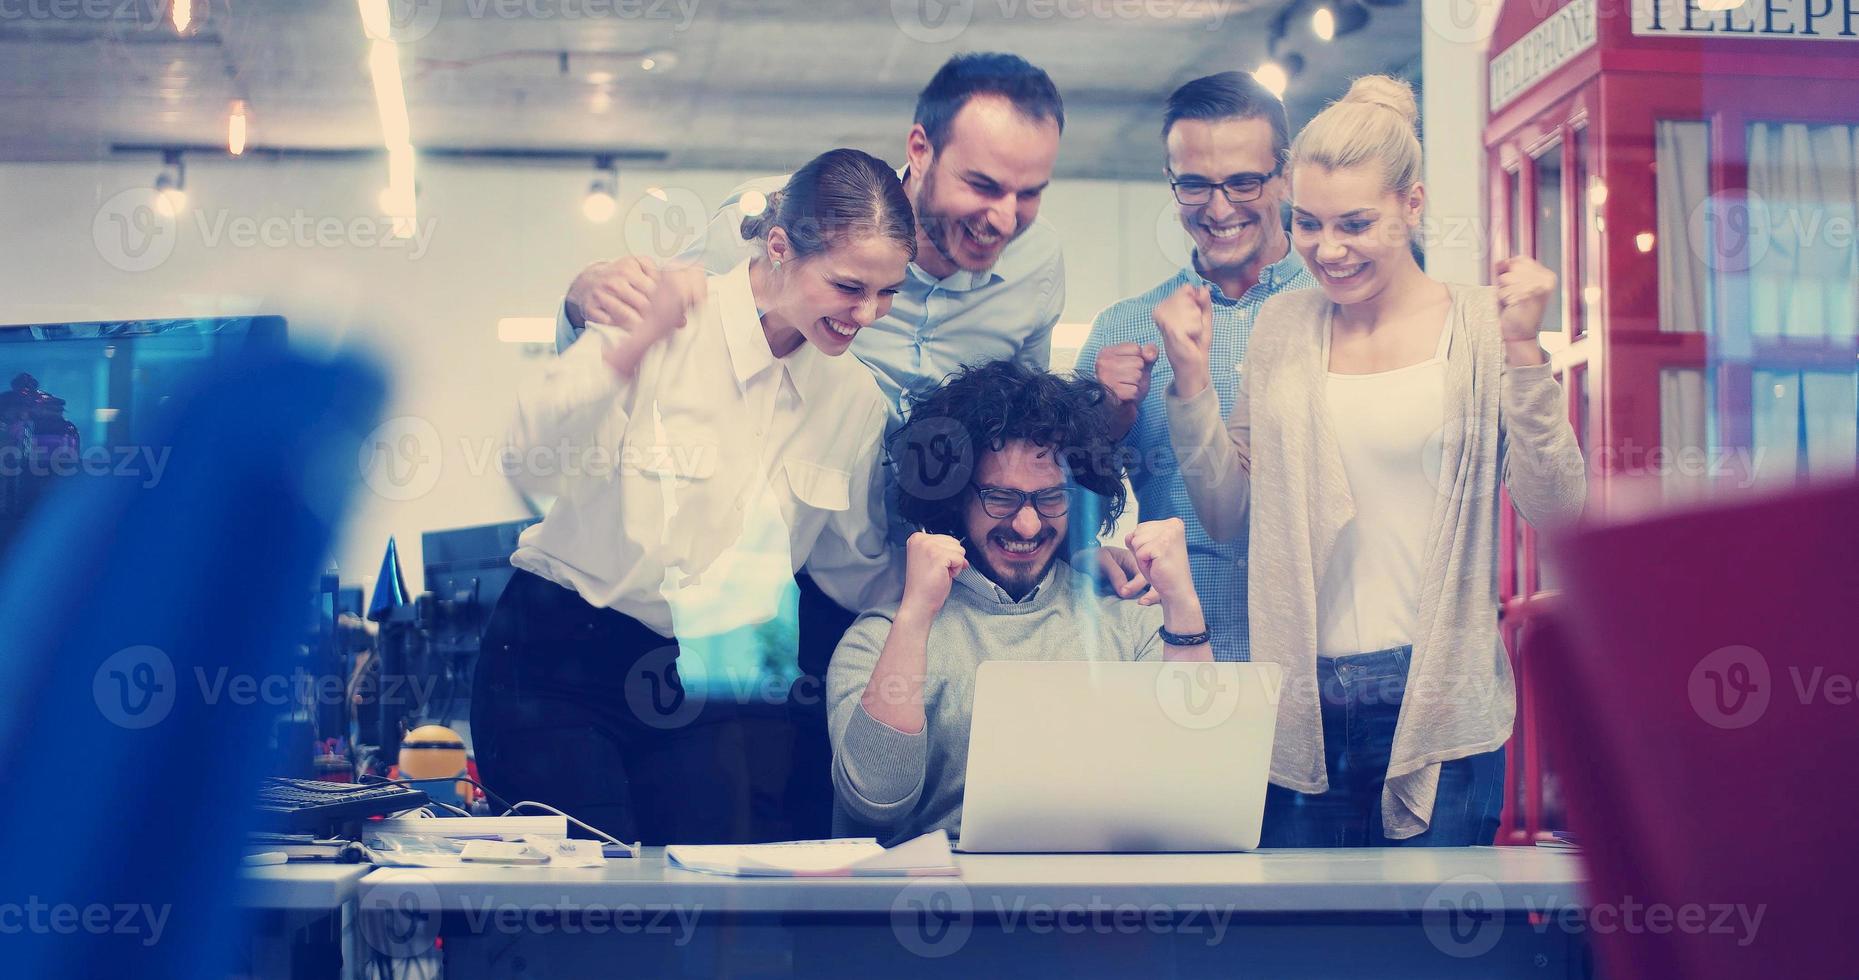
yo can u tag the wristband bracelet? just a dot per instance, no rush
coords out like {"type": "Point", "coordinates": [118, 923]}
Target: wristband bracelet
{"type": "Point", "coordinates": [1185, 639]}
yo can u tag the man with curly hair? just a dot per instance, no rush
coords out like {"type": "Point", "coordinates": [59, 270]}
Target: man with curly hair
{"type": "Point", "coordinates": [1020, 452]}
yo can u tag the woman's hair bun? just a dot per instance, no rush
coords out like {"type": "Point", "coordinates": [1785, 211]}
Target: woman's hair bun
{"type": "Point", "coordinates": [1387, 92]}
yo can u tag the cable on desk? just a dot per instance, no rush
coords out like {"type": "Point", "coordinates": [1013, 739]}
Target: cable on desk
{"type": "Point", "coordinates": [632, 848]}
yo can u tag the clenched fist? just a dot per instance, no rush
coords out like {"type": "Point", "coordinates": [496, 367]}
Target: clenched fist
{"type": "Point", "coordinates": [615, 293]}
{"type": "Point", "coordinates": [931, 563]}
{"type": "Point", "coordinates": [1186, 319]}
{"type": "Point", "coordinates": [675, 292]}
{"type": "Point", "coordinates": [1161, 551]}
{"type": "Point", "coordinates": [1124, 369]}
{"type": "Point", "coordinates": [1524, 288]}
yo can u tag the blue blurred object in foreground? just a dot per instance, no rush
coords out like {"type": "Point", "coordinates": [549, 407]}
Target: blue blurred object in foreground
{"type": "Point", "coordinates": [132, 610]}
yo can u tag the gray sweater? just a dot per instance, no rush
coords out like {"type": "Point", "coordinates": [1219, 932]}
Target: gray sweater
{"type": "Point", "coordinates": [895, 786]}
{"type": "Point", "coordinates": [1275, 463]}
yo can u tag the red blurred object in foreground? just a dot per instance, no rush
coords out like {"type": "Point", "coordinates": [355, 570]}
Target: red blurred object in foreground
{"type": "Point", "coordinates": [1707, 728]}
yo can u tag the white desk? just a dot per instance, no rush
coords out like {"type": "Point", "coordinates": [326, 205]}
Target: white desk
{"type": "Point", "coordinates": [1419, 912]}
{"type": "Point", "coordinates": [303, 913]}
{"type": "Point", "coordinates": [301, 886]}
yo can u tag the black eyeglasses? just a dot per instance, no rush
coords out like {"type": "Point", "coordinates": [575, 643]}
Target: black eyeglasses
{"type": "Point", "coordinates": [1239, 188]}
{"type": "Point", "coordinates": [1000, 502]}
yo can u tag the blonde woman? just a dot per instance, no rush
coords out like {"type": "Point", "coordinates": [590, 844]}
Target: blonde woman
{"type": "Point", "coordinates": [1378, 415]}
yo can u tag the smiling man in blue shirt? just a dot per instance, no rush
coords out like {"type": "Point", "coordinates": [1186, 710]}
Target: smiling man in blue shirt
{"type": "Point", "coordinates": [1226, 139]}
{"type": "Point", "coordinates": [988, 282]}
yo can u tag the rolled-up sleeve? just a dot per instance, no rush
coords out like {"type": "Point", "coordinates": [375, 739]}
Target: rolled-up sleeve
{"type": "Point", "coordinates": [877, 770]}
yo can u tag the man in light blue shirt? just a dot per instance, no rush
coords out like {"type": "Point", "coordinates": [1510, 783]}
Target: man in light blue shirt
{"type": "Point", "coordinates": [1227, 140]}
{"type": "Point", "coordinates": [988, 282]}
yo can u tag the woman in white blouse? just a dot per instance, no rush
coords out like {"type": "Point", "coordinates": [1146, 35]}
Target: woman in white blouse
{"type": "Point", "coordinates": [697, 463]}
{"type": "Point", "coordinates": [1379, 414]}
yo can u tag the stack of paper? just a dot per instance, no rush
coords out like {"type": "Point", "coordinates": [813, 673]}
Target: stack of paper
{"type": "Point", "coordinates": [846, 858]}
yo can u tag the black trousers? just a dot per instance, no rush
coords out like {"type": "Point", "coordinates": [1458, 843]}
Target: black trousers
{"type": "Point", "coordinates": [809, 795]}
{"type": "Point", "coordinates": [581, 708]}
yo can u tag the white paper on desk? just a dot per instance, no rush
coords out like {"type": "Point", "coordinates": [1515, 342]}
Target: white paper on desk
{"type": "Point", "coordinates": [402, 850]}
{"type": "Point", "coordinates": [853, 857]}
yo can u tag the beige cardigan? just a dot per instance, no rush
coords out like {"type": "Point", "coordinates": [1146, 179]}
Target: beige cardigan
{"type": "Point", "coordinates": [1277, 463]}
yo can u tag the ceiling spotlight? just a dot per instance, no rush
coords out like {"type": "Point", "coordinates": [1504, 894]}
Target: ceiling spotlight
{"type": "Point", "coordinates": [1323, 24]}
{"type": "Point", "coordinates": [171, 185]}
{"type": "Point", "coordinates": [658, 59]}
{"type": "Point", "coordinates": [1273, 77]}
{"type": "Point", "coordinates": [182, 12]}
{"type": "Point", "coordinates": [1339, 18]}
{"type": "Point", "coordinates": [602, 199]}
{"type": "Point", "coordinates": [235, 128]}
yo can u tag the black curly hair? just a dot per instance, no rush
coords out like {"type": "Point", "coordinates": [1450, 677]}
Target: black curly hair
{"type": "Point", "coordinates": [982, 408]}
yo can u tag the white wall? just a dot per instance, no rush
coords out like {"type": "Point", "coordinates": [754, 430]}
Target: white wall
{"type": "Point", "coordinates": [494, 241]}
{"type": "Point", "coordinates": [1453, 39]}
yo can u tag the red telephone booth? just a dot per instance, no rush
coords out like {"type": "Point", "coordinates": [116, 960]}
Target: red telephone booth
{"type": "Point", "coordinates": [1693, 176]}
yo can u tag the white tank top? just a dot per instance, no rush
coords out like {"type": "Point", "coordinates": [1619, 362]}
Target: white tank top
{"type": "Point", "coordinates": [1388, 428]}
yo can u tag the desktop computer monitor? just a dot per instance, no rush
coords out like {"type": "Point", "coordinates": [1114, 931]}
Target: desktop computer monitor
{"type": "Point", "coordinates": [82, 401]}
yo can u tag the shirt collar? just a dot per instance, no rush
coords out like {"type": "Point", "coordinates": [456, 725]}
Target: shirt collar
{"type": "Point", "coordinates": [981, 585]}
{"type": "Point", "coordinates": [1271, 278]}
{"type": "Point", "coordinates": [748, 345]}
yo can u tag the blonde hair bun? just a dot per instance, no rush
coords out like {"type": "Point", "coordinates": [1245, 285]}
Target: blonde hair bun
{"type": "Point", "coordinates": [1388, 92]}
{"type": "Point", "coordinates": [1373, 125]}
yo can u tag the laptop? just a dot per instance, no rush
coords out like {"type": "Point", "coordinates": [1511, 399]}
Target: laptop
{"type": "Point", "coordinates": [1084, 756]}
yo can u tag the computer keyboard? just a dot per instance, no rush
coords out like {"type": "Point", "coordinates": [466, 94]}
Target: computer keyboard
{"type": "Point", "coordinates": [300, 803]}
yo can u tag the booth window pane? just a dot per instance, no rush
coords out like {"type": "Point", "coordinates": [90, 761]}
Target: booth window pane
{"type": "Point", "coordinates": [1519, 788]}
{"type": "Point", "coordinates": [1514, 186]}
{"type": "Point", "coordinates": [1593, 195]}
{"type": "Point", "coordinates": [1805, 424]}
{"type": "Point", "coordinates": [1804, 200]}
{"type": "Point", "coordinates": [1546, 578]}
{"type": "Point", "coordinates": [1682, 435]}
{"type": "Point", "coordinates": [1682, 182]}
{"type": "Point", "coordinates": [1549, 228]}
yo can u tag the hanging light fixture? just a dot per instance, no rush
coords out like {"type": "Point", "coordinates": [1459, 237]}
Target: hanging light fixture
{"type": "Point", "coordinates": [171, 185]}
{"type": "Point", "coordinates": [235, 128]}
{"type": "Point", "coordinates": [603, 195]}
{"type": "Point", "coordinates": [1323, 24]}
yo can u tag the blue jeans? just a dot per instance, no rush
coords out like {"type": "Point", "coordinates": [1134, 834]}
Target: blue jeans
{"type": "Point", "coordinates": [1361, 697]}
